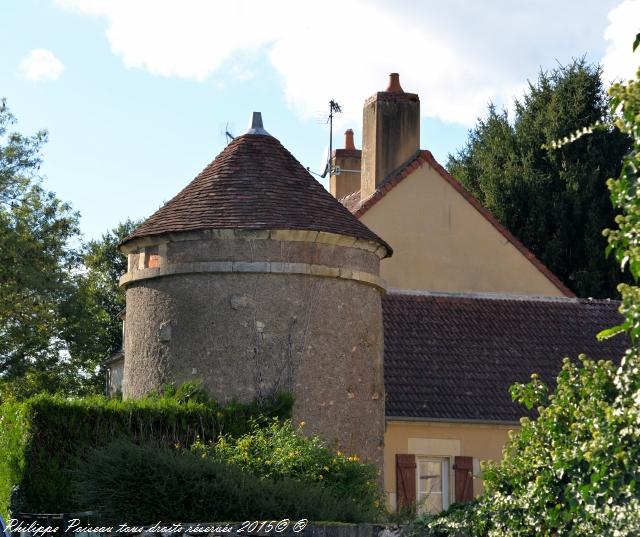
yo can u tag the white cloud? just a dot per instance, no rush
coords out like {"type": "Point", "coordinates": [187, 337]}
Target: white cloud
{"type": "Point", "coordinates": [41, 64]}
{"type": "Point", "coordinates": [458, 55]}
{"type": "Point", "coordinates": [624, 23]}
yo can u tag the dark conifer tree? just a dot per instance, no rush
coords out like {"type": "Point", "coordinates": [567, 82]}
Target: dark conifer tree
{"type": "Point", "coordinates": [554, 200]}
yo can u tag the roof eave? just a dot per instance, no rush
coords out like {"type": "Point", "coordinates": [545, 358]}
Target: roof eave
{"type": "Point", "coordinates": [470, 421]}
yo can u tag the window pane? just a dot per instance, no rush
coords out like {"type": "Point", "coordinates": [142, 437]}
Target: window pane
{"type": "Point", "coordinates": [430, 476]}
{"type": "Point", "coordinates": [430, 503]}
{"type": "Point", "coordinates": [433, 484]}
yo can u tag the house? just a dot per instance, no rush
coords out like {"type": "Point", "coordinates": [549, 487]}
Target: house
{"type": "Point", "coordinates": [398, 315]}
{"type": "Point", "coordinates": [468, 312]}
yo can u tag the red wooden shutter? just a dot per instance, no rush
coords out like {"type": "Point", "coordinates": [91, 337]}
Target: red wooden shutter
{"type": "Point", "coordinates": [463, 467]}
{"type": "Point", "coordinates": [405, 480]}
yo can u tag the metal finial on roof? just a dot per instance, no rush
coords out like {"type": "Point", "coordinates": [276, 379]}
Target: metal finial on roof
{"type": "Point", "coordinates": [255, 126]}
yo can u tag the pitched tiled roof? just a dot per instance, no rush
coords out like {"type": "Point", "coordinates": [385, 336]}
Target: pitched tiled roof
{"type": "Point", "coordinates": [453, 357]}
{"type": "Point", "coordinates": [255, 183]}
{"type": "Point", "coordinates": [358, 207]}
{"type": "Point", "coordinates": [115, 357]}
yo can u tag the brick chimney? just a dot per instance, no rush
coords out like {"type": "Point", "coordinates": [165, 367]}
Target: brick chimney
{"type": "Point", "coordinates": [390, 134]}
{"type": "Point", "coordinates": [345, 166]}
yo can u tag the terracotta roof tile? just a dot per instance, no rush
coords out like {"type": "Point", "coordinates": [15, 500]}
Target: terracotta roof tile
{"type": "Point", "coordinates": [454, 357]}
{"type": "Point", "coordinates": [255, 183]}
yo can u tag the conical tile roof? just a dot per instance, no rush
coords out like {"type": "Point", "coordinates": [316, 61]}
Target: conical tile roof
{"type": "Point", "coordinates": [254, 183]}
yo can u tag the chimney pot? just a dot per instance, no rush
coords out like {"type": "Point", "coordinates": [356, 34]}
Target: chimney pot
{"type": "Point", "coordinates": [394, 84]}
{"type": "Point", "coordinates": [348, 140]}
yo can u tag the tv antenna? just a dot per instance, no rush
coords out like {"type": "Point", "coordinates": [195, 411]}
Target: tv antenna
{"type": "Point", "coordinates": [334, 108]}
{"type": "Point", "coordinates": [230, 137]}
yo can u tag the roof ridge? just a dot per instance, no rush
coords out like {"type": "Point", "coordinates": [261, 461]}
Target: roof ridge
{"type": "Point", "coordinates": [390, 182]}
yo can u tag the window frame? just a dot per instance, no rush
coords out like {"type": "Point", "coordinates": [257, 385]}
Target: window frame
{"type": "Point", "coordinates": [446, 477]}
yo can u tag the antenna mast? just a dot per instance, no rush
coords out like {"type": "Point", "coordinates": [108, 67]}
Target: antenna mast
{"type": "Point", "coordinates": [229, 136]}
{"type": "Point", "coordinates": [334, 108]}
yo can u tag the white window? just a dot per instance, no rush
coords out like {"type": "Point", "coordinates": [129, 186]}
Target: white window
{"type": "Point", "coordinates": [433, 484]}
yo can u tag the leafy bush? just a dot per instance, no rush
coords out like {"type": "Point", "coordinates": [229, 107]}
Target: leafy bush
{"type": "Point", "coordinates": [460, 520]}
{"type": "Point", "coordinates": [280, 450]}
{"type": "Point", "coordinates": [575, 470]}
{"type": "Point", "coordinates": [43, 439]}
{"type": "Point", "coordinates": [144, 484]}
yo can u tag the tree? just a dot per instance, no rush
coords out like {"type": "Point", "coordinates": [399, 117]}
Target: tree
{"type": "Point", "coordinates": [554, 200]}
{"type": "Point", "coordinates": [58, 303]}
{"type": "Point", "coordinates": [91, 329]}
{"type": "Point", "coordinates": [36, 229]}
{"type": "Point", "coordinates": [575, 469]}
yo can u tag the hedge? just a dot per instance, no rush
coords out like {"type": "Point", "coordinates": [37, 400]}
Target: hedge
{"type": "Point", "coordinates": [43, 439]}
{"type": "Point", "coordinates": [146, 483]}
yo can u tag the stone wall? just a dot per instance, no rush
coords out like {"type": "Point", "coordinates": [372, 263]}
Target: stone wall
{"type": "Point", "coordinates": [214, 310]}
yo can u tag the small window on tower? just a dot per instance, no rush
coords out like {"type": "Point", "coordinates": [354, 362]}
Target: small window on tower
{"type": "Point", "coordinates": [152, 257]}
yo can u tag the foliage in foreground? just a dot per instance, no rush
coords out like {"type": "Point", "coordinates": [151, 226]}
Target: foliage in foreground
{"type": "Point", "coordinates": [144, 484]}
{"type": "Point", "coordinates": [280, 451]}
{"type": "Point", "coordinates": [460, 520]}
{"type": "Point", "coordinates": [44, 438]}
{"type": "Point", "coordinates": [575, 470]}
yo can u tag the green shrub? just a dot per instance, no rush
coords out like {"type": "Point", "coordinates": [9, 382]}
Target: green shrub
{"type": "Point", "coordinates": [460, 520]}
{"type": "Point", "coordinates": [146, 483]}
{"type": "Point", "coordinates": [575, 470]}
{"type": "Point", "coordinates": [43, 439]}
{"type": "Point", "coordinates": [572, 471]}
{"type": "Point", "coordinates": [279, 450]}
{"type": "Point", "coordinates": [14, 439]}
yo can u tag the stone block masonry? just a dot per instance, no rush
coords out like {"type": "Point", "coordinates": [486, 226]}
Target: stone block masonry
{"type": "Point", "coordinates": [252, 316]}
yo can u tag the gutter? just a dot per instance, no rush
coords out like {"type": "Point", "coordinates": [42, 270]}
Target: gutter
{"type": "Point", "coordinates": [506, 423]}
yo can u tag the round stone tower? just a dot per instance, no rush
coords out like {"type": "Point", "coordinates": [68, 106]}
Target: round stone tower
{"type": "Point", "coordinates": [256, 280]}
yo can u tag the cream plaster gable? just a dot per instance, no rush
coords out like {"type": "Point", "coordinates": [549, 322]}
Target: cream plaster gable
{"type": "Point", "coordinates": [442, 242]}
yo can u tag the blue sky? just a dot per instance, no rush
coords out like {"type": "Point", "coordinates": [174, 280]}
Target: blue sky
{"type": "Point", "coordinates": [136, 94]}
